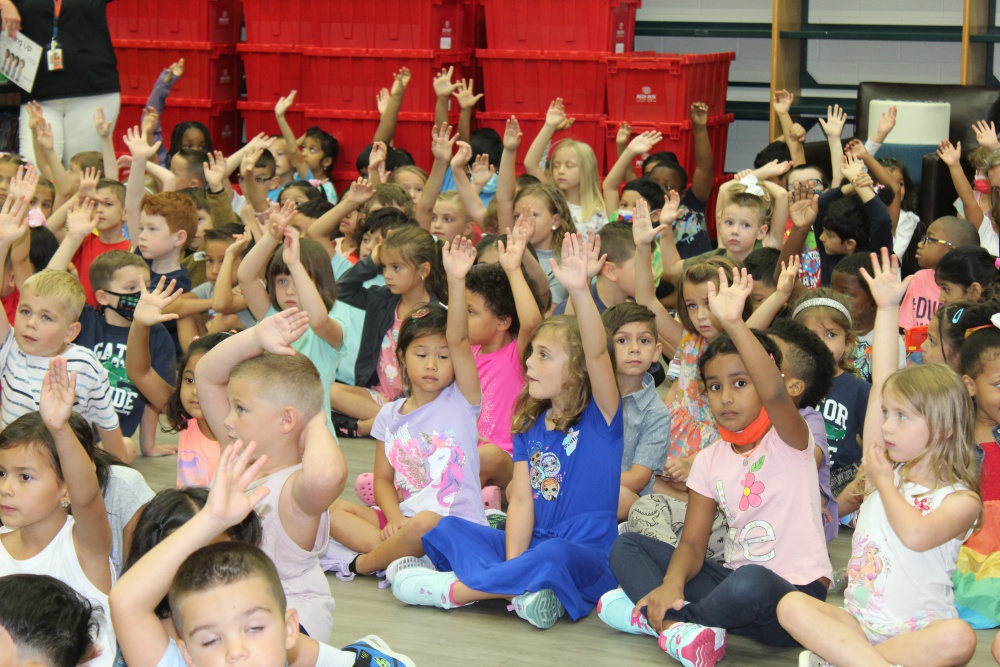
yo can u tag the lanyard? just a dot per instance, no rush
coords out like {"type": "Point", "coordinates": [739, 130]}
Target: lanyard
{"type": "Point", "coordinates": [55, 19]}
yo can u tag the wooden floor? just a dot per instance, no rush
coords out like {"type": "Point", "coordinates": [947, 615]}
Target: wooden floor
{"type": "Point", "coordinates": [485, 634]}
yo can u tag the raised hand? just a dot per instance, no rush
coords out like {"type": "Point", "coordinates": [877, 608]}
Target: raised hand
{"type": "Point", "coordinates": [400, 80]}
{"type": "Point", "coordinates": [11, 18]}
{"type": "Point", "coordinates": [462, 156]}
{"type": "Point", "coordinates": [442, 142]}
{"type": "Point", "coordinates": [215, 171]}
{"type": "Point", "coordinates": [851, 167]}
{"type": "Point", "coordinates": [856, 147]}
{"type": "Point", "coordinates": [360, 192]}
{"type": "Point", "coordinates": [482, 170]}
{"type": "Point", "coordinates": [623, 134]}
{"type": "Point", "coordinates": [643, 232]}
{"type": "Point", "coordinates": [290, 250]}
{"type": "Point", "coordinates": [137, 142]}
{"type": "Point", "coordinates": [24, 182]}
{"type": "Point", "coordinates": [772, 169]}
{"type": "Point", "coordinates": [512, 134]}
{"type": "Point", "coordinates": [699, 114]}
{"type": "Point", "coordinates": [465, 95]}
{"type": "Point", "coordinates": [443, 87]}
{"type": "Point", "coordinates": [228, 502]}
{"type": "Point", "coordinates": [89, 179]}
{"type": "Point", "coordinates": [382, 100]}
{"type": "Point", "coordinates": [284, 104]}
{"type": "Point", "coordinates": [863, 181]}
{"type": "Point", "coordinates": [555, 117]}
{"type": "Point", "coordinates": [457, 257]}
{"type": "Point", "coordinates": [788, 276]}
{"type": "Point", "coordinates": [885, 124]}
{"type": "Point", "coordinates": [175, 71]}
{"type": "Point", "coordinates": [377, 156]}
{"type": "Point", "coordinates": [236, 248]}
{"type": "Point", "coordinates": [279, 219]}
{"type": "Point", "coordinates": [595, 260]}
{"type": "Point", "coordinates": [102, 126]}
{"type": "Point", "coordinates": [782, 101]}
{"type": "Point", "coordinates": [512, 254]}
{"type": "Point", "coordinates": [949, 154]}
{"type": "Point", "coordinates": [150, 119]}
{"type": "Point", "coordinates": [643, 143]}
{"type": "Point", "coordinates": [149, 310]}
{"type": "Point", "coordinates": [727, 300]}
{"type": "Point", "coordinates": [80, 220]}
{"type": "Point", "coordinates": [277, 332]}
{"type": "Point", "coordinates": [572, 273]}
{"type": "Point", "coordinates": [13, 219]}
{"type": "Point", "coordinates": [797, 133]}
{"type": "Point", "coordinates": [55, 403]}
{"type": "Point", "coordinates": [43, 135]}
{"type": "Point", "coordinates": [803, 206]}
{"type": "Point", "coordinates": [836, 118]}
{"type": "Point", "coordinates": [886, 288]}
{"type": "Point", "coordinates": [986, 134]}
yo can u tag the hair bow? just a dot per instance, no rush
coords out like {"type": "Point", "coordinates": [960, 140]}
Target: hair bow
{"type": "Point", "coordinates": [751, 184]}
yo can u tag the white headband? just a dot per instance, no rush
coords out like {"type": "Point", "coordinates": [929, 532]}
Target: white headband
{"type": "Point", "coordinates": [829, 303]}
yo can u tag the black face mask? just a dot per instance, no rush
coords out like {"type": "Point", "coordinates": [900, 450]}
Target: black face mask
{"type": "Point", "coordinates": [126, 303]}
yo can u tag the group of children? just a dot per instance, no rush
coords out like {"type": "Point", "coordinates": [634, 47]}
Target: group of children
{"type": "Point", "coordinates": [500, 338]}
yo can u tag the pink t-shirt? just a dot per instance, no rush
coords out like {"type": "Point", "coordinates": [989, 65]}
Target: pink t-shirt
{"type": "Point", "coordinates": [390, 380]}
{"type": "Point", "coordinates": [772, 505]}
{"type": "Point", "coordinates": [502, 380]}
{"type": "Point", "coordinates": [197, 457]}
{"type": "Point", "coordinates": [923, 297]}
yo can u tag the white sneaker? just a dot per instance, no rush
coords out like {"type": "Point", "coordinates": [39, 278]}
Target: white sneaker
{"type": "Point", "coordinates": [810, 659]}
{"type": "Point", "coordinates": [336, 560]}
{"type": "Point", "coordinates": [405, 563]}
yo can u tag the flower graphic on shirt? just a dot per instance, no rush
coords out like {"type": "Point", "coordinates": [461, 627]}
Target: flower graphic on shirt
{"type": "Point", "coordinates": [751, 492]}
{"type": "Point", "coordinates": [922, 504]}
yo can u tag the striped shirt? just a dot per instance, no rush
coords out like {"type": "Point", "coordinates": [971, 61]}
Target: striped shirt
{"type": "Point", "coordinates": [21, 382]}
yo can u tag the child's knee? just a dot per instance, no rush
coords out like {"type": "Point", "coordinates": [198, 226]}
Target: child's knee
{"type": "Point", "coordinates": [959, 641]}
{"type": "Point", "coordinates": [422, 523]}
{"type": "Point", "coordinates": [790, 607]}
{"type": "Point", "coordinates": [996, 648]}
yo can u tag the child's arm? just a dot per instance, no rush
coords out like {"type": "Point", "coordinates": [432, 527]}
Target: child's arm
{"type": "Point", "coordinates": [803, 206]}
{"type": "Point", "coordinates": [779, 214]}
{"type": "Point", "coordinates": [572, 274]}
{"type": "Point", "coordinates": [555, 119]}
{"type": "Point", "coordinates": [506, 178]}
{"type": "Point", "coordinates": [387, 122]}
{"type": "Point", "coordinates": [885, 125]}
{"type": "Point", "coordinates": [104, 129]}
{"type": "Point", "coordinates": [252, 267]}
{"type": "Point", "coordinates": [701, 181]}
{"type": "Point", "coordinates": [511, 258]}
{"type": "Point", "coordinates": [166, 178]}
{"type": "Point", "coordinates": [56, 223]}
{"type": "Point", "coordinates": [92, 532]}
{"type": "Point", "coordinates": [443, 90]}
{"type": "Point", "coordinates": [386, 496]}
{"type": "Point", "coordinates": [224, 301]}
{"type": "Point", "coordinates": [782, 104]}
{"type": "Point", "coordinates": [761, 318]}
{"type": "Point", "coordinates": [376, 164]}
{"type": "Point", "coordinates": [140, 590]}
{"type": "Point", "coordinates": [157, 102]}
{"type": "Point", "coordinates": [13, 225]}
{"type": "Point", "coordinates": [81, 224]}
{"type": "Point", "coordinates": [458, 257]}
{"type": "Point", "coordinates": [220, 194]}
{"type": "Point", "coordinates": [34, 110]}
{"type": "Point", "coordinates": [880, 174]}
{"type": "Point", "coordinates": [644, 234]}
{"type": "Point", "coordinates": [318, 483]}
{"type": "Point", "coordinates": [254, 192]}
{"type": "Point", "coordinates": [951, 156]}
{"type": "Point", "coordinates": [621, 143]}
{"type": "Point", "coordinates": [142, 152]}
{"type": "Point", "coordinates": [467, 100]}
{"type": "Point", "coordinates": [471, 202]}
{"type": "Point", "coordinates": [834, 127]}
{"type": "Point", "coordinates": [642, 144]}
{"type": "Point", "coordinates": [46, 144]}
{"type": "Point", "coordinates": [726, 303]}
{"type": "Point", "coordinates": [442, 145]}
{"type": "Point", "coordinates": [324, 226]}
{"type": "Point", "coordinates": [320, 321]}
{"type": "Point", "coordinates": [138, 364]}
{"type": "Point", "coordinates": [294, 155]}
{"type": "Point", "coordinates": [520, 512]}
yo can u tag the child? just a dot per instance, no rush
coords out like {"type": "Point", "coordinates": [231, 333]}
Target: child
{"type": "Point", "coordinates": [975, 580]}
{"type": "Point", "coordinates": [561, 518]}
{"type": "Point", "coordinates": [187, 167]}
{"type": "Point", "coordinates": [762, 265]}
{"type": "Point", "coordinates": [923, 299]}
{"type": "Point", "coordinates": [44, 469]}
{"type": "Point", "coordinates": [827, 314]}
{"type": "Point", "coordinates": [632, 328]}
{"type": "Point", "coordinates": [426, 442]}
{"type": "Point", "coordinates": [443, 214]}
{"type": "Point", "coordinates": [845, 228]}
{"type": "Point", "coordinates": [44, 622]}
{"type": "Point", "coordinates": [225, 248]}
{"type": "Point", "coordinates": [410, 263]}
{"type": "Point", "coordinates": [253, 386]}
{"type": "Point", "coordinates": [615, 282]}
{"type": "Point", "coordinates": [411, 178]}
{"type": "Point", "coordinates": [197, 446]}
{"type": "Point", "coordinates": [965, 273]}
{"type": "Point", "coordinates": [807, 366]}
{"type": "Point", "coordinates": [946, 332]}
{"type": "Point", "coordinates": [317, 151]}
{"type": "Point", "coordinates": [225, 598]}
{"type": "Point", "coordinates": [762, 473]}
{"type": "Point", "coordinates": [188, 134]}
{"type": "Point", "coordinates": [298, 274]}
{"type": "Point", "coordinates": [921, 500]}
{"type": "Point", "coordinates": [336, 227]}
{"type": "Point", "coordinates": [547, 207]}
{"type": "Point", "coordinates": [986, 222]}
{"type": "Point", "coordinates": [572, 168]}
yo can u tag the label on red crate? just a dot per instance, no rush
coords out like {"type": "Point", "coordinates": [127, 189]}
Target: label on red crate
{"type": "Point", "coordinates": [446, 32]}
{"type": "Point", "coordinates": [224, 18]}
{"type": "Point", "coordinates": [645, 96]}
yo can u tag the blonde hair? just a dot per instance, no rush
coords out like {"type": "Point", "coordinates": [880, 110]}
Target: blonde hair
{"type": "Point", "coordinates": [62, 287]}
{"type": "Point", "coordinates": [835, 316]}
{"type": "Point", "coordinates": [451, 197]}
{"type": "Point", "coordinates": [555, 204]}
{"type": "Point", "coordinates": [699, 273]}
{"type": "Point", "coordinates": [291, 380]}
{"type": "Point", "coordinates": [528, 410]}
{"type": "Point", "coordinates": [591, 199]}
{"type": "Point", "coordinates": [408, 169]}
{"type": "Point", "coordinates": [762, 204]}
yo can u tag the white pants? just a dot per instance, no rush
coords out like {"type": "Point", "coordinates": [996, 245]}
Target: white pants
{"type": "Point", "coordinates": [72, 121]}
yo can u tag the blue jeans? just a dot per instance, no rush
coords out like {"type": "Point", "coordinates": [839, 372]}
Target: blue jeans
{"type": "Point", "coordinates": [743, 601]}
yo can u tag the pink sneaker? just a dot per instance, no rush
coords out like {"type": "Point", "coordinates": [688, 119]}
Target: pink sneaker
{"type": "Point", "coordinates": [692, 645]}
{"type": "Point", "coordinates": [364, 486]}
{"type": "Point", "coordinates": [491, 497]}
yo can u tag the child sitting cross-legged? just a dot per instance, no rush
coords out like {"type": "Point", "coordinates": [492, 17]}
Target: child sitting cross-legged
{"type": "Point", "coordinates": [254, 386]}
{"type": "Point", "coordinates": [225, 597]}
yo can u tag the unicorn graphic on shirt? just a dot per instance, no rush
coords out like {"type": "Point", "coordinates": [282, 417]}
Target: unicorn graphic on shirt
{"type": "Point", "coordinates": [445, 465]}
{"type": "Point", "coordinates": [429, 460]}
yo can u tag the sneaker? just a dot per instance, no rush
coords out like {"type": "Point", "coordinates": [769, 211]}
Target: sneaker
{"type": "Point", "coordinates": [542, 609]}
{"type": "Point", "coordinates": [405, 563]}
{"type": "Point", "coordinates": [344, 426]}
{"type": "Point", "coordinates": [839, 583]}
{"type": "Point", "coordinates": [364, 486]}
{"type": "Point", "coordinates": [810, 659]}
{"type": "Point", "coordinates": [424, 587]}
{"type": "Point", "coordinates": [371, 651]}
{"type": "Point", "coordinates": [496, 519]}
{"type": "Point", "coordinates": [617, 610]}
{"type": "Point", "coordinates": [691, 644]}
{"type": "Point", "coordinates": [491, 497]}
{"type": "Point", "coordinates": [623, 528]}
{"type": "Point", "coordinates": [336, 559]}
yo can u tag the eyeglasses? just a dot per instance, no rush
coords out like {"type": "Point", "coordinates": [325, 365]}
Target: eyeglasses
{"type": "Point", "coordinates": [931, 239]}
{"type": "Point", "coordinates": [261, 180]}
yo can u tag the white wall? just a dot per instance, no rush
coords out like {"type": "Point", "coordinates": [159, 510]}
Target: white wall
{"type": "Point", "coordinates": [830, 62]}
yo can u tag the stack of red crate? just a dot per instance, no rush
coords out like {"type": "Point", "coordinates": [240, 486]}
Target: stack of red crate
{"type": "Point", "coordinates": [150, 36]}
{"type": "Point", "coordinates": [539, 50]}
{"type": "Point", "coordinates": [339, 55]}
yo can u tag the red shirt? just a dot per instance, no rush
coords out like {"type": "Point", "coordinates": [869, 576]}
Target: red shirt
{"type": "Point", "coordinates": [91, 247]}
{"type": "Point", "coordinates": [10, 305]}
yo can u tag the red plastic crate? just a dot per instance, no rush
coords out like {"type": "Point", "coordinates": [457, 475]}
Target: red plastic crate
{"type": "Point", "coordinates": [566, 25]}
{"type": "Point", "coordinates": [392, 24]}
{"type": "Point", "coordinates": [270, 23]}
{"type": "Point", "coordinates": [679, 139]}
{"type": "Point", "coordinates": [576, 77]}
{"type": "Point", "coordinates": [588, 129]}
{"type": "Point", "coordinates": [349, 79]}
{"type": "Point", "coordinates": [259, 117]}
{"type": "Point", "coordinates": [623, 28]}
{"type": "Point", "coordinates": [660, 87]}
{"type": "Point", "coordinates": [211, 72]}
{"type": "Point", "coordinates": [217, 21]}
{"type": "Point", "coordinates": [272, 71]}
{"type": "Point", "coordinates": [354, 130]}
{"type": "Point", "coordinates": [221, 118]}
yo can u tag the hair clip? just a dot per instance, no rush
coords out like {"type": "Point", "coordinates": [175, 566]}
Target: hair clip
{"type": "Point", "coordinates": [36, 218]}
{"type": "Point", "coordinates": [958, 315]}
{"type": "Point", "coordinates": [997, 263]}
{"type": "Point", "coordinates": [420, 313]}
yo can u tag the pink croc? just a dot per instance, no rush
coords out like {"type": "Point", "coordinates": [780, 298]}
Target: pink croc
{"type": "Point", "coordinates": [364, 486]}
{"type": "Point", "coordinates": [491, 497]}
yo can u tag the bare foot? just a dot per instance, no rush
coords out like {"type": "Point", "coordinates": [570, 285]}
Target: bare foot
{"type": "Point", "coordinates": [160, 450]}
